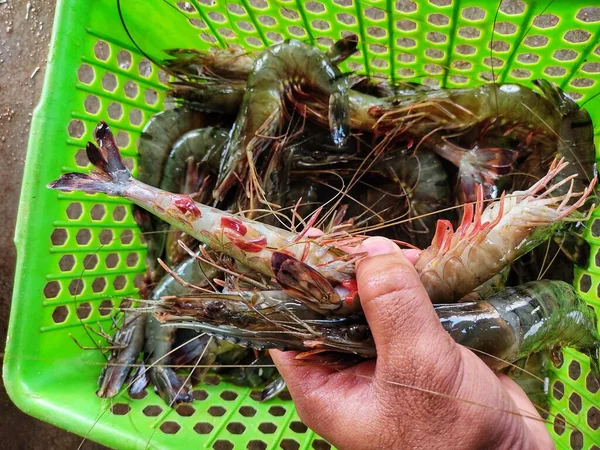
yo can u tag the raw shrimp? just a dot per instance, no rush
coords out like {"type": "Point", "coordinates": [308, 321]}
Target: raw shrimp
{"type": "Point", "coordinates": [457, 262]}
{"type": "Point", "coordinates": [501, 329]}
{"type": "Point", "coordinates": [162, 131]}
{"type": "Point", "coordinates": [229, 63]}
{"type": "Point", "coordinates": [280, 68]}
{"type": "Point", "coordinates": [323, 277]}
{"type": "Point", "coordinates": [522, 320]}
{"type": "Point", "coordinates": [126, 346]}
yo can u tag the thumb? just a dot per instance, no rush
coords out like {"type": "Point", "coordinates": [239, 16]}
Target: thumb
{"type": "Point", "coordinates": [397, 307]}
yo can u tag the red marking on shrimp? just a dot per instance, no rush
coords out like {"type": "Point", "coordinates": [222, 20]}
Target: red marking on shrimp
{"type": "Point", "coordinates": [187, 206]}
{"type": "Point", "coordinates": [351, 284]}
{"type": "Point", "coordinates": [235, 225]}
{"type": "Point", "coordinates": [249, 245]}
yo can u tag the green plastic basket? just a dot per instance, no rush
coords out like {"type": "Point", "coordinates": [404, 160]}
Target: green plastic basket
{"type": "Point", "coordinates": [79, 255]}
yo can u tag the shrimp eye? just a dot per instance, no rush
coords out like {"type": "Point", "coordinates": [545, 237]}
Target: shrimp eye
{"type": "Point", "coordinates": [358, 332]}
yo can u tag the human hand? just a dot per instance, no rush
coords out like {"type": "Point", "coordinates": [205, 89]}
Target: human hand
{"type": "Point", "coordinates": [423, 390]}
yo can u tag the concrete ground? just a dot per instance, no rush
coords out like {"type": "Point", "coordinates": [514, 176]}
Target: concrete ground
{"type": "Point", "coordinates": [25, 29]}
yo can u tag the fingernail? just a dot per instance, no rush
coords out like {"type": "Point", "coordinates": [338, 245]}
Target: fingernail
{"type": "Point", "coordinates": [378, 246]}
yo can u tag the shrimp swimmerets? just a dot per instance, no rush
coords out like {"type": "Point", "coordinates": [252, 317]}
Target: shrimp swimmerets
{"type": "Point", "coordinates": [454, 265]}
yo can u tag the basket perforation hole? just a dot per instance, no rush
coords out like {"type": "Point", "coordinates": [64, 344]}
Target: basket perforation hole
{"type": "Point", "coordinates": [296, 31]}
{"type": "Point", "coordinates": [109, 82]}
{"type": "Point", "coordinates": [185, 410]}
{"type": "Point", "coordinates": [132, 259]}
{"type": "Point", "coordinates": [245, 25]}
{"type": "Point", "coordinates": [229, 395]}
{"type": "Point", "coordinates": [465, 49]}
{"type": "Point", "coordinates": [105, 307]}
{"type": "Point", "coordinates": [555, 71]}
{"type": "Point", "coordinates": [343, 2]}
{"type": "Point", "coordinates": [320, 444]}
{"type": "Point", "coordinates": [91, 104]}
{"type": "Point", "coordinates": [124, 59]}
{"type": "Point", "coordinates": [76, 128]}
{"type": "Point", "coordinates": [593, 418]}
{"type": "Point", "coordinates": [379, 63]}
{"type": "Point", "coordinates": [433, 68]}
{"type": "Point", "coordinates": [591, 68]}
{"type": "Point", "coordinates": [406, 25]}
{"type": "Point", "coordinates": [565, 54]}
{"type": "Point", "coordinates": [131, 89]}
{"type": "Point", "coordinates": [558, 390]}
{"type": "Point", "coordinates": [83, 310]}
{"type": "Point", "coordinates": [405, 6]}
{"type": "Point", "coordinates": [493, 62]}
{"type": "Point", "coordinates": [217, 411]}
{"type": "Point", "coordinates": [203, 428]}
{"type": "Point", "coordinates": [126, 237]}
{"type": "Point", "coordinates": [170, 427]}
{"type": "Point", "coordinates": [136, 117]}
{"type": "Point", "coordinates": [247, 411]}
{"type": "Point", "coordinates": [585, 283]}
{"type": "Point", "coordinates": [212, 380]}
{"type": "Point", "coordinates": [216, 17]}
{"type": "Point", "coordinates": [582, 82]}
{"type": "Point", "coordinates": [238, 10]}
{"type": "Point", "coordinates": [575, 403]}
{"type": "Point", "coordinates": [591, 383]}
{"type": "Point", "coordinates": [536, 40]}
{"type": "Point", "coordinates": [438, 19]}
{"type": "Point", "coordinates": [512, 7]}
{"type": "Point", "coordinates": [90, 261]}
{"type": "Point", "coordinates": [102, 50]}
{"type": "Point", "coordinates": [86, 74]}
{"type": "Point", "coordinates": [197, 23]}
{"type": "Point", "coordinates": [576, 440]}
{"type": "Point", "coordinates": [431, 82]}
{"type": "Point", "coordinates": [406, 42]}
{"type": "Point", "coordinates": [120, 409]}
{"type": "Point", "coordinates": [115, 111]}
{"type": "Point", "coordinates": [376, 32]}
{"type": "Point", "coordinates": [406, 58]}
{"type": "Point", "coordinates": [66, 263]}
{"type": "Point", "coordinates": [277, 411]}
{"type": "Point", "coordinates": [346, 19]}
{"type": "Point", "coordinates": [488, 76]}
{"type": "Point", "coordinates": [74, 211]}
{"type": "Point", "coordinates": [81, 158]}
{"type": "Point", "coordinates": [574, 95]}
{"type": "Point", "coordinates": [520, 73]}
{"type": "Point", "coordinates": [473, 13]}
{"type": "Point", "coordinates": [505, 28]}
{"type": "Point", "coordinates": [52, 289]}
{"type": "Point", "coordinates": [125, 303]}
{"type": "Point", "coordinates": [255, 42]}
{"type": "Point", "coordinates": [559, 424]}
{"type": "Point", "coordinates": [528, 58]}
{"type": "Point", "coordinates": [577, 36]}
{"type": "Point", "coordinates": [274, 37]}
{"type": "Point", "coordinates": [267, 428]}
{"type": "Point", "coordinates": [99, 284]}
{"type": "Point", "coordinates": [377, 48]}
{"type": "Point", "coordinates": [186, 7]}
{"type": "Point", "coordinates": [441, 3]}
{"type": "Point", "coordinates": [59, 236]}
{"type": "Point", "coordinates": [236, 427]}
{"type": "Point", "coordinates": [106, 236]}
{"type": "Point", "coordinates": [151, 96]}
{"type": "Point", "coordinates": [260, 4]}
{"type": "Point", "coordinates": [60, 314]}
{"type": "Point", "coordinates": [210, 38]}
{"type": "Point", "coordinates": [119, 213]}
{"type": "Point", "coordinates": [145, 68]}
{"type": "Point", "coordinates": [112, 260]}
{"type": "Point", "coordinates": [590, 14]}
{"type": "Point", "coordinates": [256, 445]}
{"type": "Point", "coordinates": [574, 370]}
{"type": "Point", "coordinates": [546, 21]}
{"type": "Point", "coordinates": [122, 139]}
{"type": "Point", "coordinates": [434, 53]}
{"type": "Point", "coordinates": [436, 37]}
{"type": "Point", "coordinates": [462, 65]}
{"type": "Point", "coordinates": [256, 395]}
{"type": "Point", "coordinates": [298, 427]}
{"type": "Point", "coordinates": [289, 444]}
{"type": "Point", "coordinates": [98, 212]}
{"type": "Point", "coordinates": [315, 7]}
{"type": "Point", "coordinates": [469, 32]}
{"type": "Point", "coordinates": [83, 236]}
{"type": "Point", "coordinates": [222, 444]}
{"type": "Point", "coordinates": [120, 282]}
{"type": "Point", "coordinates": [459, 79]}
{"type": "Point", "coordinates": [152, 410]}
{"type": "Point", "coordinates": [320, 24]}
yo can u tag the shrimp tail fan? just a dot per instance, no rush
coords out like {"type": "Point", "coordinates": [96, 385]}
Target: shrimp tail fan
{"type": "Point", "coordinates": [110, 175]}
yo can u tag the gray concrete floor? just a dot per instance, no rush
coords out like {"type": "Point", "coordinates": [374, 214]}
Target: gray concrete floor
{"type": "Point", "coordinates": [25, 29]}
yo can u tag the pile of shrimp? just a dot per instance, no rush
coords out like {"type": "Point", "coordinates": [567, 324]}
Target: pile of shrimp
{"type": "Point", "coordinates": [489, 183]}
